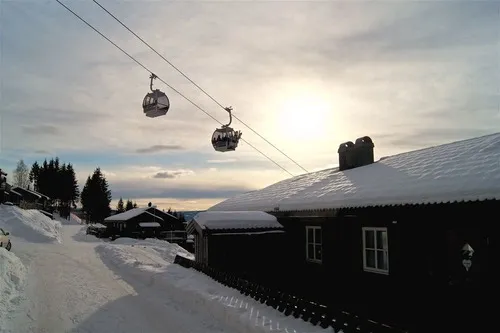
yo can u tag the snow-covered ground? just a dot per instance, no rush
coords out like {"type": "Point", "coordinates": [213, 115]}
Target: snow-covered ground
{"type": "Point", "coordinates": [29, 225]}
{"type": "Point", "coordinates": [200, 293]}
{"type": "Point", "coordinates": [12, 278]}
{"type": "Point", "coordinates": [83, 284]}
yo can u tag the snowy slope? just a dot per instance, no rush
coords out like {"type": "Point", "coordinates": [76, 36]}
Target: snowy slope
{"type": "Point", "coordinates": [12, 279]}
{"type": "Point", "coordinates": [70, 289]}
{"type": "Point", "coordinates": [196, 291]}
{"type": "Point", "coordinates": [30, 225]}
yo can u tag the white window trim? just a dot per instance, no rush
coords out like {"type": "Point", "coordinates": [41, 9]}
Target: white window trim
{"type": "Point", "coordinates": [314, 228]}
{"type": "Point", "coordinates": [371, 269]}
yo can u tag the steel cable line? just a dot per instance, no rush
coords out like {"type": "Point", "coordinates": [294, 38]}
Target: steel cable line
{"type": "Point", "coordinates": [168, 85]}
{"type": "Point", "coordinates": [196, 85]}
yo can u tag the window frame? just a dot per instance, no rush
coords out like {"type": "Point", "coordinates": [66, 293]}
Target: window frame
{"type": "Point", "coordinates": [314, 243]}
{"type": "Point", "coordinates": [366, 268]}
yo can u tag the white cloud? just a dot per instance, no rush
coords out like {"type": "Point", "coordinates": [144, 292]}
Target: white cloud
{"type": "Point", "coordinates": [227, 160]}
{"type": "Point", "coordinates": [108, 174]}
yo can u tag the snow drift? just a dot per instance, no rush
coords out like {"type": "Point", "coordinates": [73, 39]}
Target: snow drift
{"type": "Point", "coordinates": [30, 225]}
{"type": "Point", "coordinates": [73, 219]}
{"type": "Point", "coordinates": [12, 279]}
{"type": "Point", "coordinates": [152, 261]}
{"type": "Point", "coordinates": [165, 250]}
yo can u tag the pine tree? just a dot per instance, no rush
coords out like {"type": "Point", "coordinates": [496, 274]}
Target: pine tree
{"type": "Point", "coordinates": [120, 208]}
{"type": "Point", "coordinates": [34, 175]}
{"type": "Point", "coordinates": [96, 197]}
{"type": "Point", "coordinates": [85, 199]}
{"type": "Point", "coordinates": [134, 205]}
{"type": "Point", "coordinates": [129, 205]}
{"type": "Point", "coordinates": [74, 191]}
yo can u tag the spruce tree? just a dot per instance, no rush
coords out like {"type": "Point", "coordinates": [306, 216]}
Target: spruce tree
{"type": "Point", "coordinates": [129, 205]}
{"type": "Point", "coordinates": [120, 208]}
{"type": "Point", "coordinates": [74, 191]}
{"type": "Point", "coordinates": [96, 197]}
{"type": "Point", "coordinates": [34, 175]}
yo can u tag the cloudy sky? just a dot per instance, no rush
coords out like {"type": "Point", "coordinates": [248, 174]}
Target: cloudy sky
{"type": "Point", "coordinates": [306, 75]}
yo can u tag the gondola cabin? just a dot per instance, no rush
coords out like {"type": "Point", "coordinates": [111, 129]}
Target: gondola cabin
{"type": "Point", "coordinates": [155, 104]}
{"type": "Point", "coordinates": [225, 139]}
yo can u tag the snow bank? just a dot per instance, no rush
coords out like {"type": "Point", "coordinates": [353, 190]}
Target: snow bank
{"type": "Point", "coordinates": [12, 279]}
{"type": "Point", "coordinates": [81, 236]}
{"type": "Point", "coordinates": [30, 225]}
{"type": "Point", "coordinates": [146, 261]}
{"type": "Point", "coordinates": [165, 250]}
{"type": "Point", "coordinates": [73, 219]}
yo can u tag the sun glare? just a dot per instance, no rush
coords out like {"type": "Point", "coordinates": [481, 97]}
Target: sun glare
{"type": "Point", "coordinates": [305, 116]}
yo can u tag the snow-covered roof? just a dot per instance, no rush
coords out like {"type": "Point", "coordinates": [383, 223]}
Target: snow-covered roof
{"type": "Point", "coordinates": [35, 193]}
{"type": "Point", "coordinates": [236, 220]}
{"type": "Point", "coordinates": [459, 171]}
{"type": "Point", "coordinates": [38, 195]}
{"type": "Point", "coordinates": [130, 214]}
{"type": "Point", "coordinates": [16, 193]}
{"type": "Point", "coordinates": [97, 225]}
{"type": "Point", "coordinates": [149, 224]}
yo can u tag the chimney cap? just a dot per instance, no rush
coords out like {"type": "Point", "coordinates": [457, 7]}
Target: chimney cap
{"type": "Point", "coordinates": [365, 140]}
{"type": "Point", "coordinates": [345, 146]}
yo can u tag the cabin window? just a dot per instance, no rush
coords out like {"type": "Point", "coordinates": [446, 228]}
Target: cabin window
{"type": "Point", "coordinates": [375, 250]}
{"type": "Point", "coordinates": [313, 244]}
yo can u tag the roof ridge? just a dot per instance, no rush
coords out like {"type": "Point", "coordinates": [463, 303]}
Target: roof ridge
{"type": "Point", "coordinates": [439, 145]}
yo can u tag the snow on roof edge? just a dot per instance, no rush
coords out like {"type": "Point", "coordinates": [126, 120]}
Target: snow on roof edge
{"type": "Point", "coordinates": [429, 170]}
{"type": "Point", "coordinates": [138, 210]}
{"type": "Point", "coordinates": [227, 220]}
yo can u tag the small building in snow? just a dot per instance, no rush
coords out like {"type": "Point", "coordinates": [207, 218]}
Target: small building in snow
{"type": "Point", "coordinates": [11, 195]}
{"type": "Point", "coordinates": [386, 235]}
{"type": "Point", "coordinates": [31, 199]}
{"type": "Point", "coordinates": [146, 222]}
{"type": "Point", "coordinates": [248, 243]}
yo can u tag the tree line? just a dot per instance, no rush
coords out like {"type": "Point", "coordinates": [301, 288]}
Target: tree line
{"type": "Point", "coordinates": [53, 179]}
{"type": "Point", "coordinates": [123, 207]}
{"type": "Point", "coordinates": [58, 181]}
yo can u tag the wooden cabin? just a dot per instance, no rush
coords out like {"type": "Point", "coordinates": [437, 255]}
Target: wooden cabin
{"type": "Point", "coordinates": [147, 222]}
{"type": "Point", "coordinates": [247, 243]}
{"type": "Point", "coordinates": [388, 236]}
{"type": "Point", "coordinates": [32, 199]}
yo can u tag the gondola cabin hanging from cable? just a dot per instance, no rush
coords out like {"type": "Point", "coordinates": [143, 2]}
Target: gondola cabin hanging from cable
{"type": "Point", "coordinates": [156, 103]}
{"type": "Point", "coordinates": [225, 138]}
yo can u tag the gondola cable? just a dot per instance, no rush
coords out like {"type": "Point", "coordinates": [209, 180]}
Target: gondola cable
{"type": "Point", "coordinates": [164, 82]}
{"type": "Point", "coordinates": [196, 85]}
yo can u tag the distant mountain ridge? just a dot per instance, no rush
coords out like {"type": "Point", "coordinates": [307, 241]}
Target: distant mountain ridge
{"type": "Point", "coordinates": [188, 215]}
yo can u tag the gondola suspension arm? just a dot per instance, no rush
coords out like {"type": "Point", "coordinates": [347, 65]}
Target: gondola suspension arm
{"type": "Point", "coordinates": [152, 77]}
{"type": "Point", "coordinates": [229, 109]}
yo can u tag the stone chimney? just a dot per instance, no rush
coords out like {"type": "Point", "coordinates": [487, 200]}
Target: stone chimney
{"type": "Point", "coordinates": [353, 155]}
{"type": "Point", "coordinates": [347, 157]}
{"type": "Point", "coordinates": [364, 151]}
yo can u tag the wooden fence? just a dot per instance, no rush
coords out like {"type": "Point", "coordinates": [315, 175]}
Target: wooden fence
{"type": "Point", "coordinates": [291, 305]}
